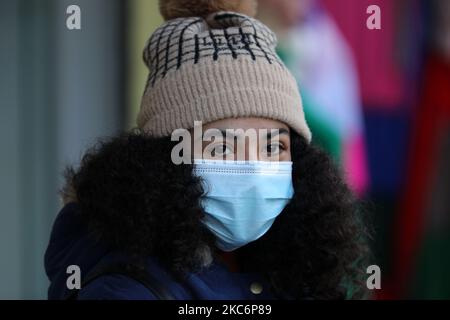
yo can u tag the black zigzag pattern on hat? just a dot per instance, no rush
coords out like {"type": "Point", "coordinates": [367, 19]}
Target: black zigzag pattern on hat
{"type": "Point", "coordinates": [188, 40]}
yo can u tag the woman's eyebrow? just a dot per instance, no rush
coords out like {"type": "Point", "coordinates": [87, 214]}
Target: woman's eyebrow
{"type": "Point", "coordinates": [270, 134]}
{"type": "Point", "coordinates": [275, 132]}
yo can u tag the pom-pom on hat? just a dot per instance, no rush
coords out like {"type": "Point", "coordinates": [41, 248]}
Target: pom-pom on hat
{"type": "Point", "coordinates": [206, 65]}
{"type": "Point", "coordinates": [172, 9]}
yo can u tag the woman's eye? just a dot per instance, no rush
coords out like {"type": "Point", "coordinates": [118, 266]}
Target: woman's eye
{"type": "Point", "coordinates": [220, 150]}
{"type": "Point", "coordinates": [273, 148]}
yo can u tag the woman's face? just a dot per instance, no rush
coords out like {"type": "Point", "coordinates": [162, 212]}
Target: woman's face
{"type": "Point", "coordinates": [249, 139]}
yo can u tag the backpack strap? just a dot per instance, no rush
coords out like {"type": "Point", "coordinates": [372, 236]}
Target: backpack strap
{"type": "Point", "coordinates": [139, 274]}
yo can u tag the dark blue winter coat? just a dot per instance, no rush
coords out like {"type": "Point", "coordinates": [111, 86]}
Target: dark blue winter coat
{"type": "Point", "coordinates": [72, 244]}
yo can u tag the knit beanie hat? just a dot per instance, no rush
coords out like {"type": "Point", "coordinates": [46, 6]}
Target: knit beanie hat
{"type": "Point", "coordinates": [206, 66]}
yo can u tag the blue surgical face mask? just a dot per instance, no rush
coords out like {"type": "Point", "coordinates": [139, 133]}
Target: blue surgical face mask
{"type": "Point", "coordinates": [243, 198]}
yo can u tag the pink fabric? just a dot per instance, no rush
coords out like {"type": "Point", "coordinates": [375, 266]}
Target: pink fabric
{"type": "Point", "coordinates": [381, 80]}
{"type": "Point", "coordinates": [355, 164]}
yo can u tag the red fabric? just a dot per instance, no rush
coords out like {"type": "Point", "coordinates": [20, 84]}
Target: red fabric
{"type": "Point", "coordinates": [433, 115]}
{"type": "Point", "coordinates": [381, 79]}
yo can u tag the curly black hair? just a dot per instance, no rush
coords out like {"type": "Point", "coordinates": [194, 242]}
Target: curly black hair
{"type": "Point", "coordinates": [137, 201]}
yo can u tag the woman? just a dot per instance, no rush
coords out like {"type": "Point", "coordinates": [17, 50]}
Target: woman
{"type": "Point", "coordinates": [252, 212]}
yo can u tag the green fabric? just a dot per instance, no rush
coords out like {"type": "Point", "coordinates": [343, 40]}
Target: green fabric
{"type": "Point", "coordinates": [323, 134]}
{"type": "Point", "coordinates": [432, 274]}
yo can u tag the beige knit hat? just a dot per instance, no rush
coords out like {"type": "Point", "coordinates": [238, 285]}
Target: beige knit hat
{"type": "Point", "coordinates": [221, 66]}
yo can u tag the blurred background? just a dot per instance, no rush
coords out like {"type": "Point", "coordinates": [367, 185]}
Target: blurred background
{"type": "Point", "coordinates": [378, 100]}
